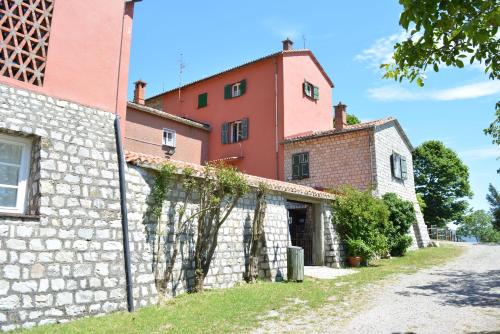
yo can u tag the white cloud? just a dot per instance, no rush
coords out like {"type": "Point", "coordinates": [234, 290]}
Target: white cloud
{"type": "Point", "coordinates": [471, 91]}
{"type": "Point", "coordinates": [381, 51]}
{"type": "Point", "coordinates": [481, 153]}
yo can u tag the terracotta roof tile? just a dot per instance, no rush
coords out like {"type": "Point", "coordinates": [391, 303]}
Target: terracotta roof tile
{"type": "Point", "coordinates": [348, 128]}
{"type": "Point", "coordinates": [283, 52]}
{"type": "Point", "coordinates": [153, 162]}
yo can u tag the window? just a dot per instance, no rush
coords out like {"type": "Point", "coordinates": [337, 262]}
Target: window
{"type": "Point", "coordinates": [398, 166]}
{"type": "Point", "coordinates": [25, 27]}
{"type": "Point", "coordinates": [202, 100]}
{"type": "Point", "coordinates": [235, 89]}
{"type": "Point", "coordinates": [310, 90]}
{"type": "Point", "coordinates": [169, 137]}
{"type": "Point", "coordinates": [234, 132]}
{"type": "Point", "coordinates": [300, 166]}
{"type": "Point", "coordinates": [15, 155]}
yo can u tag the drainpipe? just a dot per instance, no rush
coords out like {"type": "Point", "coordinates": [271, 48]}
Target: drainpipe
{"type": "Point", "coordinates": [123, 207]}
{"type": "Point", "coordinates": [121, 174]}
{"type": "Point", "coordinates": [276, 117]}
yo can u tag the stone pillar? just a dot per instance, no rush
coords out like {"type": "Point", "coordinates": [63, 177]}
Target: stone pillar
{"type": "Point", "coordinates": [318, 234]}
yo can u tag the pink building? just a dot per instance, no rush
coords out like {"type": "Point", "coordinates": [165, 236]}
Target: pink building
{"type": "Point", "coordinates": [251, 108]}
{"type": "Point", "coordinates": [154, 132]}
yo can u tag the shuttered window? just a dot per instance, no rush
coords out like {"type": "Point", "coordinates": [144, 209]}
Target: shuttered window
{"type": "Point", "coordinates": [300, 166]}
{"type": "Point", "coordinates": [202, 100]}
{"type": "Point", "coordinates": [310, 90]}
{"type": "Point", "coordinates": [235, 89]}
{"type": "Point", "coordinates": [234, 132]}
{"type": "Point", "coordinates": [399, 167]}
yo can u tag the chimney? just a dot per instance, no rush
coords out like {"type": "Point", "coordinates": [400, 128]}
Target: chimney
{"type": "Point", "coordinates": [340, 116]}
{"type": "Point", "coordinates": [287, 44]}
{"type": "Point", "coordinates": [139, 92]}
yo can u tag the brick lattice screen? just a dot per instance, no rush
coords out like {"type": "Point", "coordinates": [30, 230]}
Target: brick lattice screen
{"type": "Point", "coordinates": [24, 39]}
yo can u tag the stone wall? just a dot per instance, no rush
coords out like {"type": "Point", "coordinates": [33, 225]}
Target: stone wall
{"type": "Point", "coordinates": [64, 259]}
{"type": "Point", "coordinates": [387, 141]}
{"type": "Point", "coordinates": [231, 257]}
{"type": "Point", "coordinates": [334, 161]}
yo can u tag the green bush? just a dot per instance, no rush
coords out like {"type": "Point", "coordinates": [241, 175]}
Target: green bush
{"type": "Point", "coordinates": [357, 247]}
{"type": "Point", "coordinates": [400, 245]}
{"type": "Point", "coordinates": [401, 218]}
{"type": "Point", "coordinates": [360, 217]}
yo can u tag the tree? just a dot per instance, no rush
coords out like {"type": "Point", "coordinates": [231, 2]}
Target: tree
{"type": "Point", "coordinates": [494, 199]}
{"type": "Point", "coordinates": [442, 179]}
{"type": "Point", "coordinates": [257, 233]}
{"type": "Point", "coordinates": [446, 32]}
{"type": "Point", "coordinates": [478, 225]}
{"type": "Point", "coordinates": [352, 119]}
{"type": "Point", "coordinates": [449, 32]}
{"type": "Point", "coordinates": [219, 189]}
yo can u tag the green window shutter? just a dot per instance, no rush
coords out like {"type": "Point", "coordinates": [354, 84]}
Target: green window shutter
{"type": "Point", "coordinates": [404, 171]}
{"type": "Point", "coordinates": [224, 133]}
{"type": "Point", "coordinates": [393, 164]}
{"type": "Point", "coordinates": [227, 91]}
{"type": "Point", "coordinates": [202, 100]}
{"type": "Point", "coordinates": [316, 93]}
{"type": "Point", "coordinates": [244, 128]}
{"type": "Point", "coordinates": [295, 166]}
{"type": "Point", "coordinates": [243, 86]}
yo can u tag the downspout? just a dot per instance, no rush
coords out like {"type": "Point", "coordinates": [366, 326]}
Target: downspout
{"type": "Point", "coordinates": [276, 117]}
{"type": "Point", "coordinates": [121, 178]}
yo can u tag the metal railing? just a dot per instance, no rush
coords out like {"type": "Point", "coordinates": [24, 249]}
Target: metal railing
{"type": "Point", "coordinates": [443, 233]}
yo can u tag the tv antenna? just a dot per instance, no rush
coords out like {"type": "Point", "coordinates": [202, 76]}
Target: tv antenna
{"type": "Point", "coordinates": [182, 66]}
{"type": "Point", "coordinates": [304, 41]}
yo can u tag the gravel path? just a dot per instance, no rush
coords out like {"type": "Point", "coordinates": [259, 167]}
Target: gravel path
{"type": "Point", "coordinates": [462, 296]}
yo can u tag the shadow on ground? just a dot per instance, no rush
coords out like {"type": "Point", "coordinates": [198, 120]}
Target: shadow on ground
{"type": "Point", "coordinates": [461, 288]}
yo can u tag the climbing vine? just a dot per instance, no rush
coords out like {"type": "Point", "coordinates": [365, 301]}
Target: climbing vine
{"type": "Point", "coordinates": [257, 232]}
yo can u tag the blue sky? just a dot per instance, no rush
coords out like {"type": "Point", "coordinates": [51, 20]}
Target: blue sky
{"type": "Point", "coordinates": [349, 38]}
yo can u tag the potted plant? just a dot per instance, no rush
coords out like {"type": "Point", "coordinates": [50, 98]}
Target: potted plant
{"type": "Point", "coordinates": [357, 251]}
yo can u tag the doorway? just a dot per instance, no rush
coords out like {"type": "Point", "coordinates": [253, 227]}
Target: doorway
{"type": "Point", "coordinates": [301, 231]}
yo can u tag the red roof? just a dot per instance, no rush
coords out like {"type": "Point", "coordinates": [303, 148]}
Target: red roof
{"type": "Point", "coordinates": [153, 162]}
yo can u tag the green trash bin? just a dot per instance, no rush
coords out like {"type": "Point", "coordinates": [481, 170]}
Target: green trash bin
{"type": "Point", "coordinates": [295, 263]}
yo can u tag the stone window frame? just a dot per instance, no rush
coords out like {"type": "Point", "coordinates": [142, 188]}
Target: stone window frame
{"type": "Point", "coordinates": [23, 172]}
{"type": "Point", "coordinates": [399, 160]}
{"type": "Point", "coordinates": [32, 198]}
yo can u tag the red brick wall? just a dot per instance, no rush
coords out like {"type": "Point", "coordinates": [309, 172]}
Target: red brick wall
{"type": "Point", "coordinates": [334, 161]}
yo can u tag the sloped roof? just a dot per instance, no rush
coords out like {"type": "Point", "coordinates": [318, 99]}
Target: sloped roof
{"type": "Point", "coordinates": [166, 115]}
{"type": "Point", "coordinates": [283, 52]}
{"type": "Point", "coordinates": [350, 128]}
{"type": "Point", "coordinates": [152, 162]}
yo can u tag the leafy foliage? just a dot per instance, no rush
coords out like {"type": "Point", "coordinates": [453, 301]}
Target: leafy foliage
{"type": "Point", "coordinates": [362, 219]}
{"type": "Point", "coordinates": [401, 218]}
{"type": "Point", "coordinates": [479, 224]}
{"type": "Point", "coordinates": [449, 32]}
{"type": "Point", "coordinates": [494, 129]}
{"type": "Point", "coordinates": [494, 199]}
{"type": "Point", "coordinates": [442, 179]}
{"type": "Point", "coordinates": [352, 119]}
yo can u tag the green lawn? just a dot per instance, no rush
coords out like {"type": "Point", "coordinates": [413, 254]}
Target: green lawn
{"type": "Point", "coordinates": [231, 310]}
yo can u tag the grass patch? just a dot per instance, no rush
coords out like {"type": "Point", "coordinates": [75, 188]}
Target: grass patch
{"type": "Point", "coordinates": [236, 309]}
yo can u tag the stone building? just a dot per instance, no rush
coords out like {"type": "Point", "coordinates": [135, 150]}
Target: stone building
{"type": "Point", "coordinates": [61, 89]}
{"type": "Point", "coordinates": [373, 156]}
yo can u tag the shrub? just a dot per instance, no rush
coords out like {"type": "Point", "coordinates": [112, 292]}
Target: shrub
{"type": "Point", "coordinates": [400, 245]}
{"type": "Point", "coordinates": [401, 218]}
{"type": "Point", "coordinates": [360, 217]}
{"type": "Point", "coordinates": [357, 247]}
